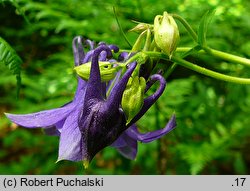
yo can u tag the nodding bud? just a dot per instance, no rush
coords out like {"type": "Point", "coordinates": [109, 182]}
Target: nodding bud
{"type": "Point", "coordinates": [141, 27]}
{"type": "Point", "coordinates": [107, 70]}
{"type": "Point", "coordinates": [133, 97]}
{"type": "Point", "coordinates": [166, 33]}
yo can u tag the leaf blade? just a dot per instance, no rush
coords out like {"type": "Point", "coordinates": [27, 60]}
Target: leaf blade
{"type": "Point", "coordinates": [10, 58]}
{"type": "Point", "coordinates": [202, 30]}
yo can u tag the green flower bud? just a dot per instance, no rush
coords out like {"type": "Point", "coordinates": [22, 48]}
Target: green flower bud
{"type": "Point", "coordinates": [106, 69]}
{"type": "Point", "coordinates": [133, 96]}
{"type": "Point", "coordinates": [166, 33]}
{"type": "Point", "coordinates": [138, 43]}
{"type": "Point", "coordinates": [141, 27]}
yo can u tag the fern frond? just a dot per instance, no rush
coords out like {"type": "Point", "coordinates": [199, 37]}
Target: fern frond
{"type": "Point", "coordinates": [9, 57]}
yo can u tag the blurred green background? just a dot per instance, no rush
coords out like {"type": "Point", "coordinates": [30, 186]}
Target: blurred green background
{"type": "Point", "coordinates": [213, 132]}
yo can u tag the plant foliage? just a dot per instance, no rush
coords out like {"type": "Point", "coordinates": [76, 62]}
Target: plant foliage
{"type": "Point", "coordinates": [213, 132]}
{"type": "Point", "coordinates": [9, 57]}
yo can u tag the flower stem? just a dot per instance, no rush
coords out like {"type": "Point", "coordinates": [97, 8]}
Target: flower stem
{"type": "Point", "coordinates": [228, 57]}
{"type": "Point", "coordinates": [219, 54]}
{"type": "Point", "coordinates": [187, 26]}
{"type": "Point", "coordinates": [170, 70]}
{"type": "Point", "coordinates": [120, 27]}
{"type": "Point", "coordinates": [210, 73]}
{"type": "Point", "coordinates": [200, 69]}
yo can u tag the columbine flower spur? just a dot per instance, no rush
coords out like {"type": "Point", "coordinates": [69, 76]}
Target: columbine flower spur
{"type": "Point", "coordinates": [95, 119]}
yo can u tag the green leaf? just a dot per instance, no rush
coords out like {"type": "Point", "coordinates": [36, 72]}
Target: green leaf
{"type": "Point", "coordinates": [9, 57]}
{"type": "Point", "coordinates": [202, 30]}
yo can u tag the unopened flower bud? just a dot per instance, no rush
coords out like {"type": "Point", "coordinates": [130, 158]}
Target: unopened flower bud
{"type": "Point", "coordinates": [166, 33]}
{"type": "Point", "coordinates": [107, 70]}
{"type": "Point", "coordinates": [133, 96]}
{"type": "Point", "coordinates": [141, 27]}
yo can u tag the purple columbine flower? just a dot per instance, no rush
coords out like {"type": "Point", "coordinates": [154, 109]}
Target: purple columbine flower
{"type": "Point", "coordinates": [93, 120]}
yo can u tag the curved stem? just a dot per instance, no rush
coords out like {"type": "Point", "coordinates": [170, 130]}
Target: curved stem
{"type": "Point", "coordinates": [210, 73]}
{"type": "Point", "coordinates": [120, 27]}
{"type": "Point", "coordinates": [200, 69]}
{"type": "Point", "coordinates": [228, 57]}
{"type": "Point", "coordinates": [187, 26]}
{"type": "Point", "coordinates": [131, 59]}
{"type": "Point", "coordinates": [170, 70]}
{"type": "Point", "coordinates": [219, 54]}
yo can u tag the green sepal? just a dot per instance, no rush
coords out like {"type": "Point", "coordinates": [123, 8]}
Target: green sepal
{"type": "Point", "coordinates": [138, 43]}
{"type": "Point", "coordinates": [107, 70]}
{"type": "Point", "coordinates": [140, 27]}
{"type": "Point", "coordinates": [133, 97]}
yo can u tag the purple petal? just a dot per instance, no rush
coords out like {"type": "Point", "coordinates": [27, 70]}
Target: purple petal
{"type": "Point", "coordinates": [88, 56]}
{"type": "Point", "coordinates": [123, 56]}
{"type": "Point", "coordinates": [70, 139]}
{"type": "Point", "coordinates": [129, 151]}
{"type": "Point", "coordinates": [94, 87]}
{"type": "Point", "coordinates": [103, 56]}
{"type": "Point", "coordinates": [44, 118]}
{"type": "Point", "coordinates": [126, 145]}
{"type": "Point", "coordinates": [52, 131]}
{"type": "Point", "coordinates": [115, 97]}
{"type": "Point", "coordinates": [160, 90]}
{"type": "Point", "coordinates": [77, 50]}
{"type": "Point", "coordinates": [101, 43]}
{"type": "Point", "coordinates": [151, 136]}
{"type": "Point", "coordinates": [79, 95]}
{"type": "Point", "coordinates": [114, 48]}
{"type": "Point", "coordinates": [149, 101]}
{"type": "Point", "coordinates": [80, 91]}
{"type": "Point", "coordinates": [55, 130]}
{"type": "Point", "coordinates": [90, 43]}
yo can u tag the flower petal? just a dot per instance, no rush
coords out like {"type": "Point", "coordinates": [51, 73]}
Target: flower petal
{"type": "Point", "coordinates": [88, 56]}
{"type": "Point", "coordinates": [123, 56]}
{"type": "Point", "coordinates": [56, 129]}
{"type": "Point", "coordinates": [52, 131]}
{"type": "Point", "coordinates": [44, 118]}
{"type": "Point", "coordinates": [77, 50]}
{"type": "Point", "coordinates": [151, 136]}
{"type": "Point", "coordinates": [126, 145]}
{"type": "Point", "coordinates": [115, 97]}
{"type": "Point", "coordinates": [70, 147]}
{"type": "Point", "coordinates": [114, 48]}
{"type": "Point", "coordinates": [90, 43]}
{"type": "Point", "coordinates": [80, 91]}
{"type": "Point", "coordinates": [94, 86]}
{"type": "Point", "coordinates": [149, 101]}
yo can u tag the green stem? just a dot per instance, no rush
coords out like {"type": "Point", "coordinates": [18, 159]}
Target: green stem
{"type": "Point", "coordinates": [120, 27]}
{"type": "Point", "coordinates": [170, 70]}
{"type": "Point", "coordinates": [200, 69]}
{"type": "Point", "coordinates": [210, 73]}
{"type": "Point", "coordinates": [187, 26]}
{"type": "Point", "coordinates": [182, 49]}
{"type": "Point", "coordinates": [219, 54]}
{"type": "Point", "coordinates": [132, 59]}
{"type": "Point", "coordinates": [186, 53]}
{"type": "Point", "coordinates": [228, 57]}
